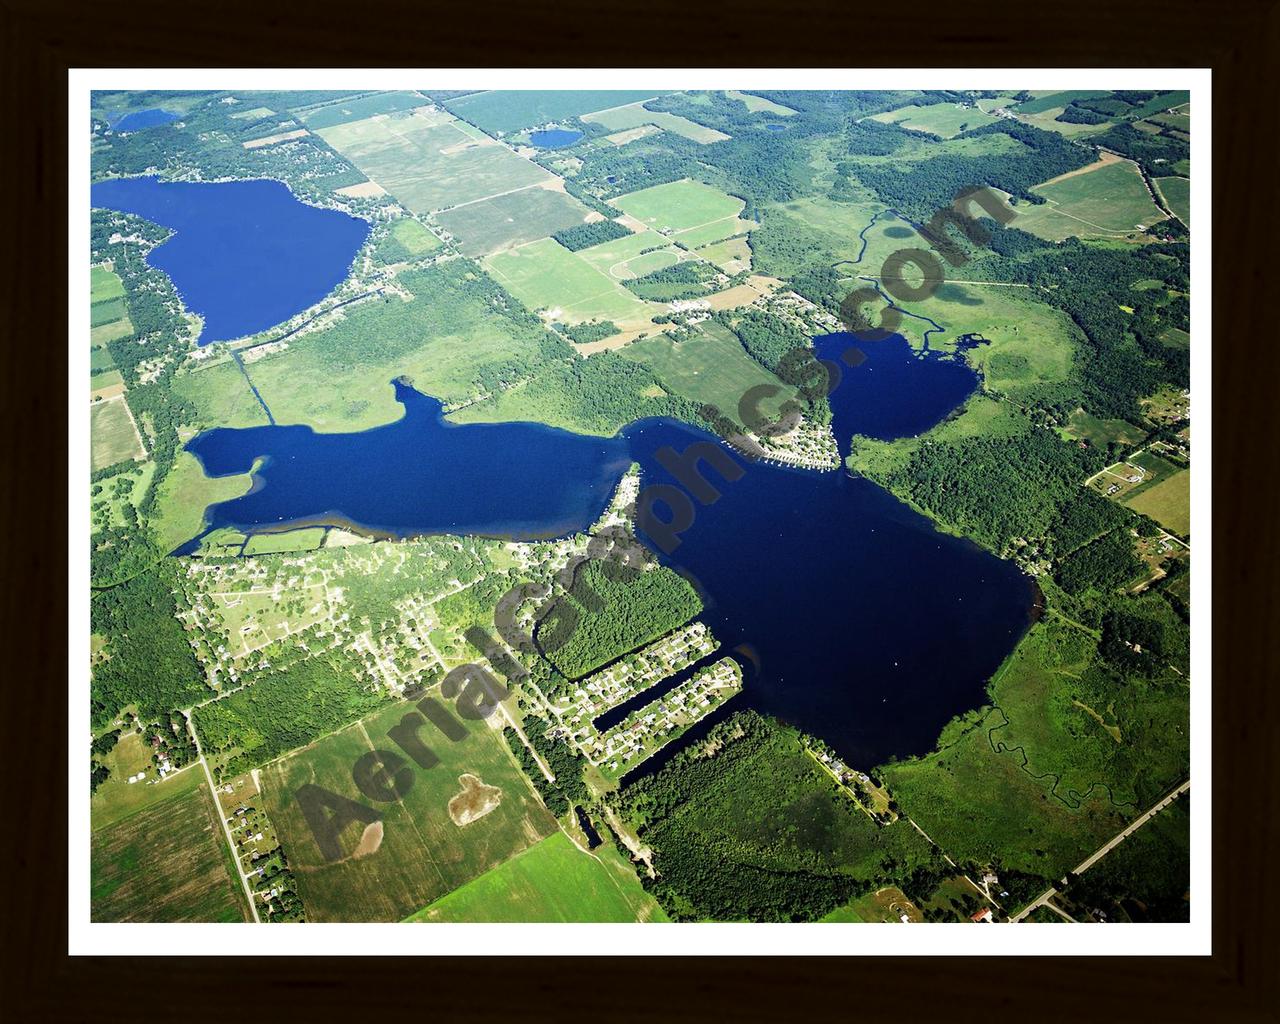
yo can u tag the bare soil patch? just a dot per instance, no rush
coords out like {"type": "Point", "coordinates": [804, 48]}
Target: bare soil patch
{"type": "Point", "coordinates": [474, 802]}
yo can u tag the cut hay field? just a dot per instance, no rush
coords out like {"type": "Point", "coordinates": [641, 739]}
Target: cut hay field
{"type": "Point", "coordinates": [634, 115]}
{"type": "Point", "coordinates": [945, 120]}
{"type": "Point", "coordinates": [430, 162]}
{"type": "Point", "coordinates": [348, 110]}
{"type": "Point", "coordinates": [509, 110]}
{"type": "Point", "coordinates": [422, 854]}
{"type": "Point", "coordinates": [711, 367]}
{"type": "Point", "coordinates": [512, 219]}
{"type": "Point", "coordinates": [1177, 193]}
{"type": "Point", "coordinates": [1102, 432]}
{"type": "Point", "coordinates": [113, 437]}
{"type": "Point", "coordinates": [165, 862]}
{"type": "Point", "coordinates": [1106, 199]}
{"type": "Point", "coordinates": [688, 211]}
{"type": "Point", "coordinates": [1167, 501]}
{"type": "Point", "coordinates": [544, 275]}
{"type": "Point", "coordinates": [733, 255]}
{"type": "Point", "coordinates": [553, 881]}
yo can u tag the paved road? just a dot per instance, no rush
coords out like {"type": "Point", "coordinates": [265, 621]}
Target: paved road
{"type": "Point", "coordinates": [231, 845]}
{"type": "Point", "coordinates": [1102, 851]}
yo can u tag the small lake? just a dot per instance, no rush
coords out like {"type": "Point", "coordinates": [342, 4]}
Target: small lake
{"type": "Point", "coordinates": [554, 138]}
{"type": "Point", "coordinates": [856, 619]}
{"type": "Point", "coordinates": [245, 255]}
{"type": "Point", "coordinates": [139, 119]}
{"type": "Point", "coordinates": [776, 127]}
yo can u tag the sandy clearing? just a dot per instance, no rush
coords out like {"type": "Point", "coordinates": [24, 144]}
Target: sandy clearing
{"type": "Point", "coordinates": [474, 802]}
{"type": "Point", "coordinates": [271, 140]}
{"type": "Point", "coordinates": [365, 190]}
{"type": "Point", "coordinates": [1104, 159]}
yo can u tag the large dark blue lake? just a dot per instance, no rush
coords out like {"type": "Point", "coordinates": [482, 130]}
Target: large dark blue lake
{"type": "Point", "coordinates": [245, 255]}
{"type": "Point", "coordinates": [856, 619]}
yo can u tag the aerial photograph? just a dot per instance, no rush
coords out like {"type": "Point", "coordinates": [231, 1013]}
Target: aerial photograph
{"type": "Point", "coordinates": [638, 506]}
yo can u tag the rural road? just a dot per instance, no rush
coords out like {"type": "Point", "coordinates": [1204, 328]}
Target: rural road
{"type": "Point", "coordinates": [1102, 851]}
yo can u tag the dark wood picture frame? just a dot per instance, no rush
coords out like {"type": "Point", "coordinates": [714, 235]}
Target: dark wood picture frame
{"type": "Point", "coordinates": [1238, 39]}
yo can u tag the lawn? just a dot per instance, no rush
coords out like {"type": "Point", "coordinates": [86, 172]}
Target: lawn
{"type": "Point", "coordinates": [165, 862]}
{"type": "Point", "coordinates": [113, 437]}
{"type": "Point", "coordinates": [512, 219]}
{"type": "Point", "coordinates": [453, 340]}
{"type": "Point", "coordinates": [544, 275]}
{"type": "Point", "coordinates": [429, 162]}
{"type": "Point", "coordinates": [712, 367]}
{"type": "Point", "coordinates": [680, 207]}
{"type": "Point", "coordinates": [1177, 193]}
{"type": "Point", "coordinates": [633, 115]}
{"type": "Point", "coordinates": [423, 854]}
{"type": "Point", "coordinates": [945, 120]}
{"type": "Point", "coordinates": [509, 110]}
{"type": "Point", "coordinates": [291, 540]}
{"type": "Point", "coordinates": [1108, 198]}
{"type": "Point", "coordinates": [553, 881]}
{"type": "Point", "coordinates": [1167, 501]}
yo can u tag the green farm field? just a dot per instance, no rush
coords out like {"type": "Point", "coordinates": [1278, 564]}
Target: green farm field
{"type": "Point", "coordinates": [406, 240]}
{"type": "Point", "coordinates": [758, 104]}
{"type": "Point", "coordinates": [1107, 199]}
{"type": "Point", "coordinates": [512, 219]}
{"type": "Point", "coordinates": [104, 284]}
{"type": "Point", "coordinates": [634, 115]}
{"type": "Point", "coordinates": [112, 331]}
{"type": "Point", "coordinates": [113, 437]}
{"type": "Point", "coordinates": [544, 275]}
{"type": "Point", "coordinates": [1167, 501]}
{"type": "Point", "coordinates": [429, 162]}
{"type": "Point", "coordinates": [108, 311]}
{"type": "Point", "coordinates": [1177, 193]}
{"type": "Point", "coordinates": [166, 862]}
{"type": "Point", "coordinates": [422, 853]}
{"type": "Point", "coordinates": [553, 881]}
{"type": "Point", "coordinates": [945, 120]}
{"type": "Point", "coordinates": [509, 110]}
{"type": "Point", "coordinates": [348, 110]}
{"type": "Point", "coordinates": [711, 367]}
{"type": "Point", "coordinates": [449, 340]}
{"type": "Point", "coordinates": [622, 258]}
{"type": "Point", "coordinates": [1102, 432]}
{"type": "Point", "coordinates": [681, 208]}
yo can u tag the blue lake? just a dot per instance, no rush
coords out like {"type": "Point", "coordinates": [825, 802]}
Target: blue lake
{"type": "Point", "coordinates": [139, 119]}
{"type": "Point", "coordinates": [245, 255]}
{"type": "Point", "coordinates": [855, 618]}
{"type": "Point", "coordinates": [776, 127]}
{"type": "Point", "coordinates": [554, 138]}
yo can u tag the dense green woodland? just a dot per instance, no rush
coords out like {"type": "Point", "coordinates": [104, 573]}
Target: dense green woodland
{"type": "Point", "coordinates": [610, 610]}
